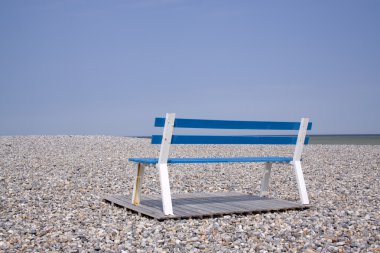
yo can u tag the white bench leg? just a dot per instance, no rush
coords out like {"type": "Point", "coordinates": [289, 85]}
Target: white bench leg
{"type": "Point", "coordinates": [165, 189]}
{"type": "Point", "coordinates": [301, 182]}
{"type": "Point", "coordinates": [265, 180]}
{"type": "Point", "coordinates": [137, 185]}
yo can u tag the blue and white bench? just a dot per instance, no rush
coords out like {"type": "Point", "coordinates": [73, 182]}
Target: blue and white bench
{"type": "Point", "coordinates": [167, 138]}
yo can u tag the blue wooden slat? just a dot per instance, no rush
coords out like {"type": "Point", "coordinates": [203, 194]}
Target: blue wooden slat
{"type": "Point", "coordinates": [274, 159]}
{"type": "Point", "coordinates": [204, 139]}
{"type": "Point", "coordinates": [230, 124]}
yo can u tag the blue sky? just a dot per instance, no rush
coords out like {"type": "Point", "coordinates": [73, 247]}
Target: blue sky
{"type": "Point", "coordinates": [110, 67]}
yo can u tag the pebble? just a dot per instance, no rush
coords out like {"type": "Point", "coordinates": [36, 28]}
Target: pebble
{"type": "Point", "coordinates": [51, 198]}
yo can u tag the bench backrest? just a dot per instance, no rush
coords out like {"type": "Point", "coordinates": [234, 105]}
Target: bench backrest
{"type": "Point", "coordinates": [170, 122]}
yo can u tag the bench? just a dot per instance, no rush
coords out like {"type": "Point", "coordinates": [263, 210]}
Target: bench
{"type": "Point", "coordinates": [167, 138]}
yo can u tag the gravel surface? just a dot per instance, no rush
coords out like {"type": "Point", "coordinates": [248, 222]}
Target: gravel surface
{"type": "Point", "coordinates": [51, 188]}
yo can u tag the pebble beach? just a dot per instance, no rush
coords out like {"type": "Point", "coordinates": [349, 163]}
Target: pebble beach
{"type": "Point", "coordinates": [51, 190]}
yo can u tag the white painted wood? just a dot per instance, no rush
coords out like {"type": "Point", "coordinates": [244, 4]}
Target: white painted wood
{"type": "Point", "coordinates": [137, 185]}
{"type": "Point", "coordinates": [162, 164]}
{"type": "Point", "coordinates": [265, 179]}
{"type": "Point", "coordinates": [166, 138]}
{"type": "Point", "coordinates": [300, 182]}
{"type": "Point", "coordinates": [300, 139]}
{"type": "Point", "coordinates": [165, 189]}
{"type": "Point", "coordinates": [297, 161]}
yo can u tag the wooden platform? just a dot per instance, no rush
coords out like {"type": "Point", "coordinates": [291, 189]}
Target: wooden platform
{"type": "Point", "coordinates": [198, 205]}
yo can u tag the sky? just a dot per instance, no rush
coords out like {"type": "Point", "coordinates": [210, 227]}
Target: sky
{"type": "Point", "coordinates": [110, 67]}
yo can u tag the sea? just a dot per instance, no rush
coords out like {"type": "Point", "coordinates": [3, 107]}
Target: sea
{"type": "Point", "coordinates": [353, 139]}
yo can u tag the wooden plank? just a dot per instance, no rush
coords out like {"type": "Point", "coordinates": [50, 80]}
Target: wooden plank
{"type": "Point", "coordinates": [189, 210]}
{"type": "Point", "coordinates": [212, 139]}
{"type": "Point", "coordinates": [221, 208]}
{"type": "Point", "coordinates": [250, 202]}
{"type": "Point", "coordinates": [154, 209]}
{"type": "Point", "coordinates": [219, 201]}
{"type": "Point", "coordinates": [264, 202]}
{"type": "Point", "coordinates": [269, 159]}
{"type": "Point", "coordinates": [199, 201]}
{"type": "Point", "coordinates": [154, 201]}
{"type": "Point", "coordinates": [259, 203]}
{"type": "Point", "coordinates": [198, 205]}
{"type": "Point", "coordinates": [235, 202]}
{"type": "Point", "coordinates": [142, 209]}
{"type": "Point", "coordinates": [231, 124]}
{"type": "Point", "coordinates": [139, 209]}
{"type": "Point", "coordinates": [191, 202]}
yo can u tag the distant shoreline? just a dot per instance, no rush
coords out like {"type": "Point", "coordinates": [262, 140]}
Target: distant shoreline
{"type": "Point", "coordinates": [353, 139]}
{"type": "Point", "coordinates": [334, 139]}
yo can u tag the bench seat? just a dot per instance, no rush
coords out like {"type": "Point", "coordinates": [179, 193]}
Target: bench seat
{"type": "Point", "coordinates": [170, 122]}
{"type": "Point", "coordinates": [270, 159]}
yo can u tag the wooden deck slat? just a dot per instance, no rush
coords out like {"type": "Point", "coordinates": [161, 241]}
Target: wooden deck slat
{"type": "Point", "coordinates": [229, 205]}
{"type": "Point", "coordinates": [157, 210]}
{"type": "Point", "coordinates": [180, 210]}
{"type": "Point", "coordinates": [220, 207]}
{"type": "Point", "coordinates": [193, 205]}
{"type": "Point", "coordinates": [184, 204]}
{"type": "Point", "coordinates": [199, 202]}
{"type": "Point", "coordinates": [139, 209]}
{"type": "Point", "coordinates": [261, 203]}
{"type": "Point", "coordinates": [154, 204]}
{"type": "Point", "coordinates": [266, 202]}
{"type": "Point", "coordinates": [234, 203]}
{"type": "Point", "coordinates": [235, 200]}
